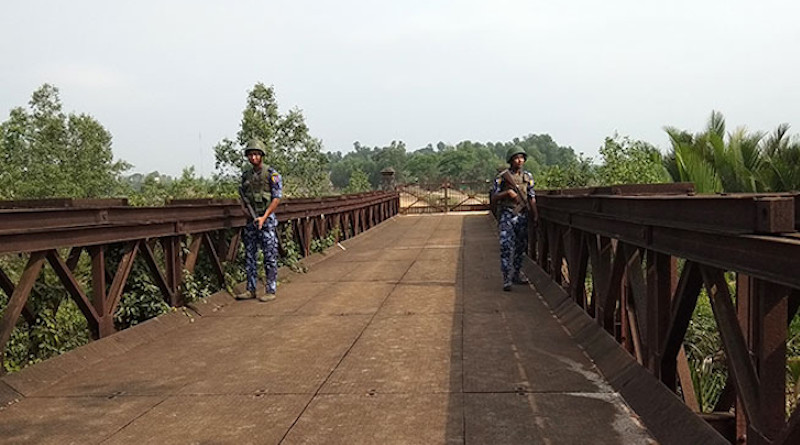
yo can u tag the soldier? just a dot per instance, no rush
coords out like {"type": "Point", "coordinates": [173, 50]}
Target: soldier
{"type": "Point", "coordinates": [262, 189]}
{"type": "Point", "coordinates": [512, 188]}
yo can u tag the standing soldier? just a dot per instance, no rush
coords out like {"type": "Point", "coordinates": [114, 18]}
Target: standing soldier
{"type": "Point", "coordinates": [262, 190]}
{"type": "Point", "coordinates": [516, 202]}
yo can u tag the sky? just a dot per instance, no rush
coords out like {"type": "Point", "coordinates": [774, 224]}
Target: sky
{"type": "Point", "coordinates": [169, 79]}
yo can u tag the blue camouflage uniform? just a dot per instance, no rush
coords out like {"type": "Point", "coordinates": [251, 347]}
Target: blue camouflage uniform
{"type": "Point", "coordinates": [513, 225]}
{"type": "Point", "coordinates": [261, 187]}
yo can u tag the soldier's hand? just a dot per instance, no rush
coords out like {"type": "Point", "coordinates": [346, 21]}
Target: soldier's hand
{"type": "Point", "coordinates": [512, 194]}
{"type": "Point", "coordinates": [260, 221]}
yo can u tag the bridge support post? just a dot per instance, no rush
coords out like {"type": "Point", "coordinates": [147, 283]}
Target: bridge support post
{"type": "Point", "coordinates": [661, 284]}
{"type": "Point", "coordinates": [762, 310]}
{"type": "Point", "coordinates": [18, 299]}
{"type": "Point", "coordinates": [174, 267]}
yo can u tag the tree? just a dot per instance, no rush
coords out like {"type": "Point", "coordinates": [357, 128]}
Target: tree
{"type": "Point", "coordinates": [423, 166]}
{"type": "Point", "coordinates": [289, 147]}
{"type": "Point", "coordinates": [627, 161]}
{"type": "Point", "coordinates": [394, 156]}
{"type": "Point", "coordinates": [359, 182]}
{"type": "Point", "coordinates": [466, 161]}
{"type": "Point", "coordinates": [714, 164]}
{"type": "Point", "coordinates": [46, 153]}
{"type": "Point", "coordinates": [781, 169]}
{"type": "Point", "coordinates": [469, 162]}
{"type": "Point", "coordinates": [577, 173]}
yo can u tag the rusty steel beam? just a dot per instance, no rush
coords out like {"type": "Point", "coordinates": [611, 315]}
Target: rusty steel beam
{"type": "Point", "coordinates": [155, 272]}
{"type": "Point", "coordinates": [660, 270]}
{"type": "Point", "coordinates": [18, 299]}
{"type": "Point", "coordinates": [683, 304]}
{"type": "Point", "coordinates": [578, 262]}
{"type": "Point", "coordinates": [685, 378]}
{"type": "Point", "coordinates": [790, 435]}
{"type": "Point", "coordinates": [731, 214]}
{"type": "Point", "coordinates": [174, 266]}
{"type": "Point", "coordinates": [233, 246]}
{"type": "Point", "coordinates": [747, 234]}
{"type": "Point", "coordinates": [638, 293]}
{"type": "Point", "coordinates": [99, 300]}
{"type": "Point", "coordinates": [611, 293]}
{"type": "Point", "coordinates": [739, 363]}
{"type": "Point", "coordinates": [740, 253]}
{"type": "Point", "coordinates": [95, 230]}
{"type": "Point", "coordinates": [64, 274]}
{"type": "Point", "coordinates": [216, 265]}
{"type": "Point", "coordinates": [672, 188]}
{"type": "Point", "coordinates": [194, 252]}
{"type": "Point", "coordinates": [770, 354]}
{"type": "Point", "coordinates": [63, 203]}
{"type": "Point", "coordinates": [43, 226]}
{"type": "Point", "coordinates": [121, 277]}
{"type": "Point", "coordinates": [41, 220]}
{"type": "Point", "coordinates": [8, 287]}
{"type": "Point", "coordinates": [40, 229]}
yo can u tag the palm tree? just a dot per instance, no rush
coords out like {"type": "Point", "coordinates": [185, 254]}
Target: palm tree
{"type": "Point", "coordinates": [782, 166]}
{"type": "Point", "coordinates": [713, 164]}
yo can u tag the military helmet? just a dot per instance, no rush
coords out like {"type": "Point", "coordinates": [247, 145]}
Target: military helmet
{"type": "Point", "coordinates": [513, 151]}
{"type": "Point", "coordinates": [255, 145]}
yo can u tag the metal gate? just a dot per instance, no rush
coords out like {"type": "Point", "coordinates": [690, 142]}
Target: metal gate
{"type": "Point", "coordinates": [440, 197]}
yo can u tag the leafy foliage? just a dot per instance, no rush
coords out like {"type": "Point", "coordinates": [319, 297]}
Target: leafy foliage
{"type": "Point", "coordinates": [627, 161]}
{"type": "Point", "coordinates": [466, 161]}
{"type": "Point", "coordinates": [577, 173]}
{"type": "Point", "coordinates": [321, 244]}
{"type": "Point", "coordinates": [47, 153]}
{"type": "Point", "coordinates": [704, 351]}
{"type": "Point", "coordinates": [290, 148]}
{"type": "Point", "coordinates": [742, 162]}
{"type": "Point", "coordinates": [359, 182]}
{"type": "Point", "coordinates": [290, 250]}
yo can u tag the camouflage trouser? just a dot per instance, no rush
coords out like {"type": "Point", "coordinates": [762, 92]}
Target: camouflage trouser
{"type": "Point", "coordinates": [267, 238]}
{"type": "Point", "coordinates": [513, 243]}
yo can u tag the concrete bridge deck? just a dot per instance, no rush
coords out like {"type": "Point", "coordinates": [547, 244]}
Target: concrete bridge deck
{"type": "Point", "coordinates": [404, 338]}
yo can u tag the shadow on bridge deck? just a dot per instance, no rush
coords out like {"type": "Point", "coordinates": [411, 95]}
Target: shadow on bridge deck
{"type": "Point", "coordinates": [405, 337]}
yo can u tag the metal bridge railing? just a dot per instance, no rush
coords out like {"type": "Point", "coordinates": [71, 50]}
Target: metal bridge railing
{"type": "Point", "coordinates": [648, 251]}
{"type": "Point", "coordinates": [38, 230]}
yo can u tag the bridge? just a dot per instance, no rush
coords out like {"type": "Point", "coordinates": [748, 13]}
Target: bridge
{"type": "Point", "coordinates": [401, 334]}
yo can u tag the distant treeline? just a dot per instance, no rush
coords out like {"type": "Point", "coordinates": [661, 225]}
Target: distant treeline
{"type": "Point", "coordinates": [45, 152]}
{"type": "Point", "coordinates": [464, 161]}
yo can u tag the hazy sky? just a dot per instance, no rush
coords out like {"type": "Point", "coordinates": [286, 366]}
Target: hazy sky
{"type": "Point", "coordinates": [169, 79]}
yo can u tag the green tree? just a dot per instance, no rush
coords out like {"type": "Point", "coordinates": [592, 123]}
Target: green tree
{"type": "Point", "coordinates": [465, 161]}
{"type": "Point", "coordinates": [469, 162]}
{"type": "Point", "coordinates": [627, 161]}
{"type": "Point", "coordinates": [46, 153]}
{"type": "Point", "coordinates": [394, 156]}
{"type": "Point", "coordinates": [359, 182]}
{"type": "Point", "coordinates": [580, 172]}
{"type": "Point", "coordinates": [423, 166]}
{"type": "Point", "coordinates": [715, 164]}
{"type": "Point", "coordinates": [289, 147]}
{"type": "Point", "coordinates": [781, 169]}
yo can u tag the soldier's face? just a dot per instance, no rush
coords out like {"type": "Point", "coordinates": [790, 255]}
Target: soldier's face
{"type": "Point", "coordinates": [254, 157]}
{"type": "Point", "coordinates": [517, 161]}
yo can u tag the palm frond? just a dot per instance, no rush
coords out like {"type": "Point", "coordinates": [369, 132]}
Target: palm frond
{"type": "Point", "coordinates": [716, 124]}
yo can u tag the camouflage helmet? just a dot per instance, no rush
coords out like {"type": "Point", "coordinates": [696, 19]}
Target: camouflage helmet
{"type": "Point", "coordinates": [513, 151]}
{"type": "Point", "coordinates": [255, 145]}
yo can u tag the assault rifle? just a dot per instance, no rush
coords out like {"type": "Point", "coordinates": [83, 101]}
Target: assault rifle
{"type": "Point", "coordinates": [522, 201]}
{"type": "Point", "coordinates": [247, 204]}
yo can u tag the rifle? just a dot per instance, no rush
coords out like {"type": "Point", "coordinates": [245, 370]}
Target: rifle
{"type": "Point", "coordinates": [247, 204]}
{"type": "Point", "coordinates": [526, 205]}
